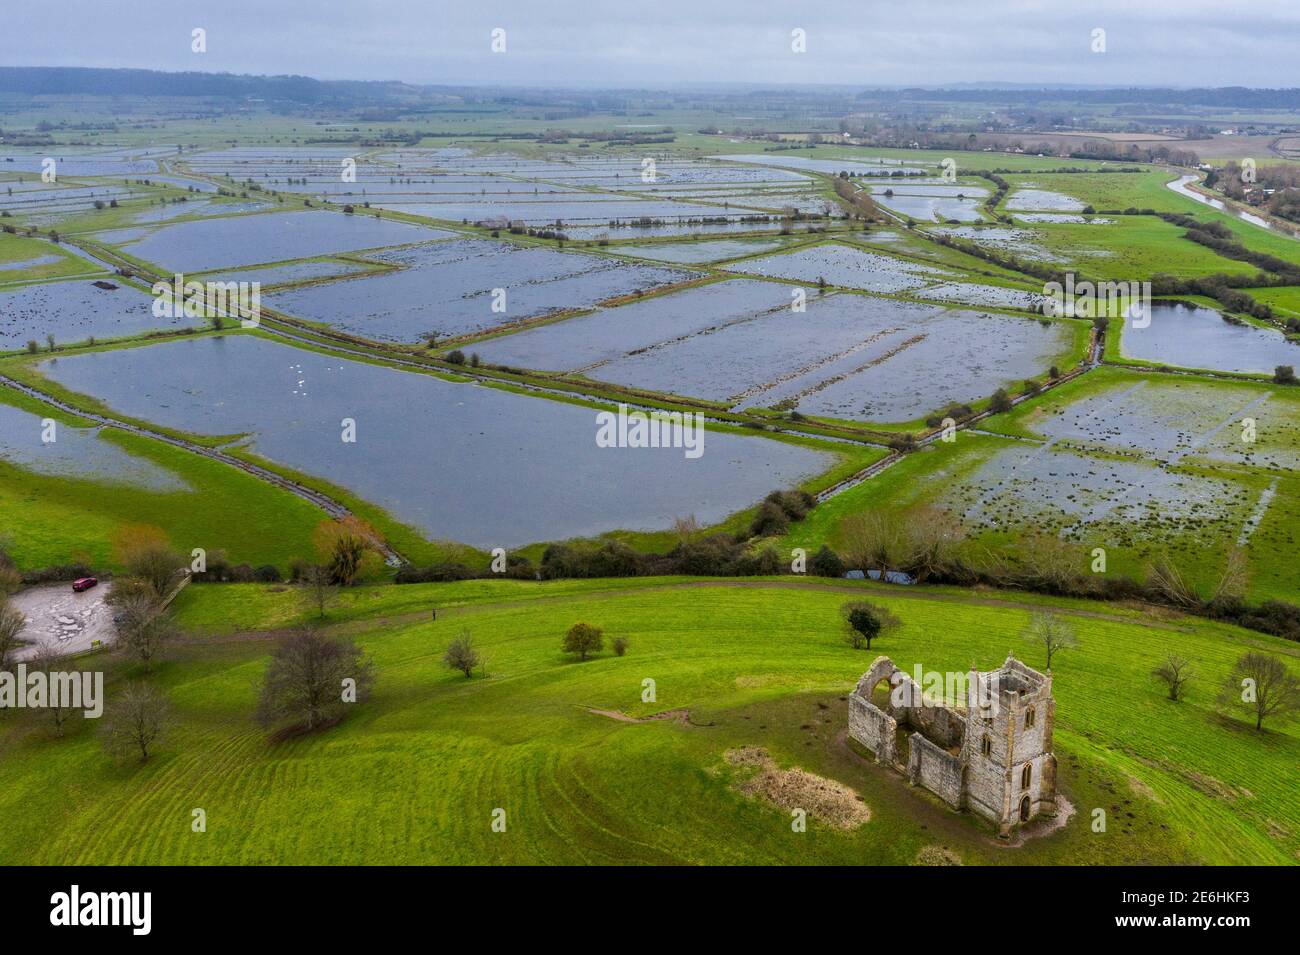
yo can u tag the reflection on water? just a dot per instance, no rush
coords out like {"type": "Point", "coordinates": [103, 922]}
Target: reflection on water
{"type": "Point", "coordinates": [1181, 187]}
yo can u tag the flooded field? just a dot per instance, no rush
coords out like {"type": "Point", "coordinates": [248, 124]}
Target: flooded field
{"type": "Point", "coordinates": [286, 274]}
{"type": "Point", "coordinates": [846, 266]}
{"type": "Point", "coordinates": [579, 343]}
{"type": "Point", "coordinates": [76, 309]}
{"type": "Point", "coordinates": [950, 357]}
{"type": "Point", "coordinates": [206, 244]}
{"type": "Point", "coordinates": [450, 288]}
{"type": "Point", "coordinates": [1195, 337]}
{"type": "Point", "coordinates": [1068, 493]}
{"type": "Point", "coordinates": [458, 461]}
{"type": "Point", "coordinates": [688, 253]}
{"type": "Point", "coordinates": [933, 208]}
{"type": "Point", "coordinates": [1043, 200]}
{"type": "Point", "coordinates": [1169, 421]}
{"type": "Point", "coordinates": [75, 453]}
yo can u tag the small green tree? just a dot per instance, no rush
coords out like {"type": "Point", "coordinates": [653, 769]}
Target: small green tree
{"type": "Point", "coordinates": [584, 639]}
{"type": "Point", "coordinates": [865, 622]}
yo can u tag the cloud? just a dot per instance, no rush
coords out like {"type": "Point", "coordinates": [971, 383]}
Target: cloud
{"type": "Point", "coordinates": [673, 42]}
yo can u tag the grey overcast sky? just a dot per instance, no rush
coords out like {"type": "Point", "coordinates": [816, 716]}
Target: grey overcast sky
{"type": "Point", "coordinates": [659, 43]}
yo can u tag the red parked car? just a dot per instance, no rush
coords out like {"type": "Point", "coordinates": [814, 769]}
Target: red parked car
{"type": "Point", "coordinates": [84, 583]}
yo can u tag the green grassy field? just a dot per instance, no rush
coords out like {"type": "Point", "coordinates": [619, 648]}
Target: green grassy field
{"type": "Point", "coordinates": [15, 250]}
{"type": "Point", "coordinates": [51, 519]}
{"type": "Point", "coordinates": [414, 775]}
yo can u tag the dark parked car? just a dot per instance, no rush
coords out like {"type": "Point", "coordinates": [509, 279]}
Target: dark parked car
{"type": "Point", "coordinates": [84, 583]}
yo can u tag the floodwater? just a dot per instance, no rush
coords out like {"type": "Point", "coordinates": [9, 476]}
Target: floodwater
{"type": "Point", "coordinates": [608, 334]}
{"type": "Point", "coordinates": [1194, 337]}
{"type": "Point", "coordinates": [205, 244]}
{"type": "Point", "coordinates": [847, 266]}
{"type": "Point", "coordinates": [457, 460]}
{"type": "Point", "coordinates": [468, 285]}
{"type": "Point", "coordinates": [75, 453]}
{"type": "Point", "coordinates": [74, 310]}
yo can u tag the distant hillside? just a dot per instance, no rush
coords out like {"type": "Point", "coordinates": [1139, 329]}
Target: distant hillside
{"type": "Point", "coordinates": [58, 80]}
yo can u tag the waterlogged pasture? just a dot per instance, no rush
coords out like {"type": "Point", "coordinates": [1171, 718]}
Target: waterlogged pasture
{"type": "Point", "coordinates": [457, 460]}
{"type": "Point", "coordinates": [74, 452]}
{"type": "Point", "coordinates": [289, 273]}
{"type": "Point", "coordinates": [687, 253]}
{"type": "Point", "coordinates": [448, 288]}
{"type": "Point", "coordinates": [74, 310]}
{"type": "Point", "coordinates": [1172, 420]}
{"type": "Point", "coordinates": [955, 356]}
{"type": "Point", "coordinates": [202, 245]}
{"type": "Point", "coordinates": [1195, 337]}
{"type": "Point", "coordinates": [579, 344]}
{"type": "Point", "coordinates": [1042, 200]}
{"type": "Point", "coordinates": [846, 356]}
{"type": "Point", "coordinates": [845, 266]}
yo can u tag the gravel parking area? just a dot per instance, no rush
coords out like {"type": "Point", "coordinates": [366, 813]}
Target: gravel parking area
{"type": "Point", "coordinates": [68, 621]}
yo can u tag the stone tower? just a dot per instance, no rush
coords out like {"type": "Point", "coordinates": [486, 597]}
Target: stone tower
{"type": "Point", "coordinates": [992, 757]}
{"type": "Point", "coordinates": [1009, 768]}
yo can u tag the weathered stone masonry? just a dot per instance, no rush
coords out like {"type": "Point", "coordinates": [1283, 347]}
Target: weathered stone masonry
{"type": "Point", "coordinates": [993, 757]}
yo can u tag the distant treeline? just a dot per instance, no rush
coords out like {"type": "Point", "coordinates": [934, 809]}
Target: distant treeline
{"type": "Point", "coordinates": [1229, 96]}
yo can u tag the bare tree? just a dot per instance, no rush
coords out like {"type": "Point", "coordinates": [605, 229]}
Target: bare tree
{"type": "Point", "coordinates": [1051, 632]}
{"type": "Point", "coordinates": [311, 681]}
{"type": "Point", "coordinates": [145, 553]}
{"type": "Point", "coordinates": [461, 655]}
{"type": "Point", "coordinates": [47, 660]}
{"type": "Point", "coordinates": [143, 630]}
{"type": "Point", "coordinates": [1169, 584]}
{"type": "Point", "coordinates": [1235, 579]}
{"type": "Point", "coordinates": [1262, 686]}
{"type": "Point", "coordinates": [320, 588]}
{"type": "Point", "coordinates": [684, 528]}
{"type": "Point", "coordinates": [1174, 674]}
{"type": "Point", "coordinates": [933, 537]}
{"type": "Point", "coordinates": [872, 541]}
{"type": "Point", "coordinates": [135, 721]}
{"type": "Point", "coordinates": [12, 623]}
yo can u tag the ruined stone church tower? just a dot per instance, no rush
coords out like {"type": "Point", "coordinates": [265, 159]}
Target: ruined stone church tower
{"type": "Point", "coordinates": [993, 757]}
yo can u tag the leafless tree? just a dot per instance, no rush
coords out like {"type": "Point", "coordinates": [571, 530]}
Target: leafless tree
{"type": "Point", "coordinates": [1263, 687]}
{"type": "Point", "coordinates": [1174, 673]}
{"type": "Point", "coordinates": [461, 655]}
{"type": "Point", "coordinates": [934, 537]}
{"type": "Point", "coordinates": [321, 590]}
{"type": "Point", "coordinates": [1168, 583]}
{"type": "Point", "coordinates": [684, 528]}
{"type": "Point", "coordinates": [1235, 578]}
{"type": "Point", "coordinates": [312, 679]}
{"type": "Point", "coordinates": [47, 660]}
{"type": "Point", "coordinates": [872, 541]}
{"type": "Point", "coordinates": [143, 630]}
{"type": "Point", "coordinates": [1051, 632]}
{"type": "Point", "coordinates": [136, 721]}
{"type": "Point", "coordinates": [12, 622]}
